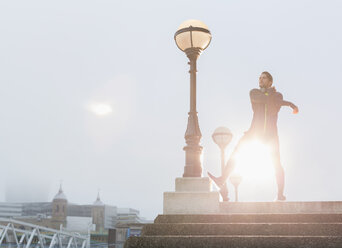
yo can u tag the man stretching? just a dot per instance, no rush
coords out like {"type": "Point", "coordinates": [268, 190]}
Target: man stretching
{"type": "Point", "coordinates": [266, 103]}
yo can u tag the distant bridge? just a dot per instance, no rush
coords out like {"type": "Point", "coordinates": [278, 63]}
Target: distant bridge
{"type": "Point", "coordinates": [22, 234]}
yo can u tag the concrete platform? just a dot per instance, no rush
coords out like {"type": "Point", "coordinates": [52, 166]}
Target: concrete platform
{"type": "Point", "coordinates": [281, 207]}
{"type": "Point", "coordinates": [191, 202]}
{"type": "Point", "coordinates": [192, 184]}
{"type": "Point", "coordinates": [192, 195]}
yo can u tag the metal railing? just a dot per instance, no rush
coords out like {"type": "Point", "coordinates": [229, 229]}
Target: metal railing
{"type": "Point", "coordinates": [33, 235]}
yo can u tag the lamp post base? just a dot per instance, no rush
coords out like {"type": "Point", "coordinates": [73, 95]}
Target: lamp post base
{"type": "Point", "coordinates": [191, 196]}
{"type": "Point", "coordinates": [193, 150]}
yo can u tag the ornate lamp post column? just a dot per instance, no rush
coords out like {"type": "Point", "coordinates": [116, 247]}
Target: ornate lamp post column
{"type": "Point", "coordinates": [192, 37]}
{"type": "Point", "coordinates": [222, 137]}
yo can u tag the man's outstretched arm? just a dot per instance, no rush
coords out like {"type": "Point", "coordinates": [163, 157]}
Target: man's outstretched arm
{"type": "Point", "coordinates": [275, 98]}
{"type": "Point", "coordinates": [290, 104]}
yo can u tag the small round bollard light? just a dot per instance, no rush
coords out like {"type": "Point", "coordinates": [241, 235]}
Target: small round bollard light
{"type": "Point", "coordinates": [235, 179]}
{"type": "Point", "coordinates": [222, 136]}
{"type": "Point", "coordinates": [192, 34]}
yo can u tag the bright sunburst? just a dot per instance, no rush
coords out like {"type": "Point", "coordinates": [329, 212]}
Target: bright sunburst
{"type": "Point", "coordinates": [100, 108]}
{"type": "Point", "coordinates": [253, 161]}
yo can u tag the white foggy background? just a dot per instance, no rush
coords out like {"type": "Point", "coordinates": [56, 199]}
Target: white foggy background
{"type": "Point", "coordinates": [57, 57]}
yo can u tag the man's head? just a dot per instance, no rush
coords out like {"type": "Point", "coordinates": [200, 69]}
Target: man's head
{"type": "Point", "coordinates": [265, 80]}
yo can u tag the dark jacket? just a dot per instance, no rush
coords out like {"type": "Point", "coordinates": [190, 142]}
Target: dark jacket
{"type": "Point", "coordinates": [266, 106]}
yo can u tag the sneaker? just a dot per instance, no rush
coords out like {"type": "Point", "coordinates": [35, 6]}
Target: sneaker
{"type": "Point", "coordinates": [224, 194]}
{"type": "Point", "coordinates": [280, 198]}
{"type": "Point", "coordinates": [217, 180]}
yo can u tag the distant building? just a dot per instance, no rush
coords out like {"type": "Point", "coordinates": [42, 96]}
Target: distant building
{"type": "Point", "coordinates": [11, 210]}
{"type": "Point", "coordinates": [97, 217]}
{"type": "Point", "coordinates": [37, 208]}
{"type": "Point", "coordinates": [129, 223]}
{"type": "Point", "coordinates": [129, 215]}
{"type": "Point", "coordinates": [59, 209]}
{"type": "Point", "coordinates": [98, 214]}
{"type": "Point", "coordinates": [124, 231]}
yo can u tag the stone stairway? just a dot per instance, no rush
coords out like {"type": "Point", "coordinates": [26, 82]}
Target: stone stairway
{"type": "Point", "coordinates": [247, 230]}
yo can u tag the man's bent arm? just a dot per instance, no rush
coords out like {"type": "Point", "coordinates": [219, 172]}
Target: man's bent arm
{"type": "Point", "coordinates": [257, 96]}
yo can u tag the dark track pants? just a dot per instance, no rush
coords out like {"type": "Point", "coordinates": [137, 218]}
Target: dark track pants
{"type": "Point", "coordinates": [273, 143]}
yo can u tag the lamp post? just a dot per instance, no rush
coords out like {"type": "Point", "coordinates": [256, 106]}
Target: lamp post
{"type": "Point", "coordinates": [236, 179]}
{"type": "Point", "coordinates": [192, 37]}
{"type": "Point", "coordinates": [222, 137]}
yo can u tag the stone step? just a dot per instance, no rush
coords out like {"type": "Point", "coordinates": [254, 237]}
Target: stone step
{"type": "Point", "coordinates": [292, 229]}
{"type": "Point", "coordinates": [281, 207]}
{"type": "Point", "coordinates": [250, 218]}
{"type": "Point", "coordinates": [234, 242]}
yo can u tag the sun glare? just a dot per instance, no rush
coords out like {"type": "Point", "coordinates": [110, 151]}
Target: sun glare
{"type": "Point", "coordinates": [100, 108]}
{"type": "Point", "coordinates": [253, 162]}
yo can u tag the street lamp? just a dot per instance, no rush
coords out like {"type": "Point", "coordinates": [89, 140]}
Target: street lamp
{"type": "Point", "coordinates": [222, 137]}
{"type": "Point", "coordinates": [236, 179]}
{"type": "Point", "coordinates": [192, 37]}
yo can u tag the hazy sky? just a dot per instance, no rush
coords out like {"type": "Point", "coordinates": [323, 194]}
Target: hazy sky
{"type": "Point", "coordinates": [59, 58]}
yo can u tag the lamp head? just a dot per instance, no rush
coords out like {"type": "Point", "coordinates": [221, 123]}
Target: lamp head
{"type": "Point", "coordinates": [192, 37]}
{"type": "Point", "coordinates": [235, 179]}
{"type": "Point", "coordinates": [222, 136]}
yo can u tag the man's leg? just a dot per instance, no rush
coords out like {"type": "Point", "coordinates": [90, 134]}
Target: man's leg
{"type": "Point", "coordinates": [279, 170]}
{"type": "Point", "coordinates": [230, 165]}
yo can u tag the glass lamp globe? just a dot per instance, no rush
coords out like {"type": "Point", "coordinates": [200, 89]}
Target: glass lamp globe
{"type": "Point", "coordinates": [222, 136]}
{"type": "Point", "coordinates": [192, 34]}
{"type": "Point", "coordinates": [235, 179]}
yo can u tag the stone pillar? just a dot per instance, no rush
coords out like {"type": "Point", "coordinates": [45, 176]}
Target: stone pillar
{"type": "Point", "coordinates": [192, 195]}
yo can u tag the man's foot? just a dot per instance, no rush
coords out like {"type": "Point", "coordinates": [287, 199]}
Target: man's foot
{"type": "Point", "coordinates": [224, 193]}
{"type": "Point", "coordinates": [280, 198]}
{"type": "Point", "coordinates": [217, 180]}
